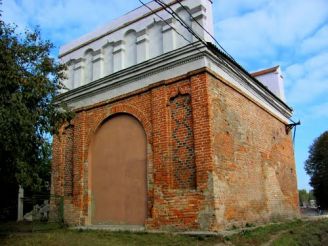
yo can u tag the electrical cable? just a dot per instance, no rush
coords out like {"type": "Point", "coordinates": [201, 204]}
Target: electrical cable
{"type": "Point", "coordinates": [169, 10]}
{"type": "Point", "coordinates": [175, 16]}
{"type": "Point", "coordinates": [167, 23]}
{"type": "Point", "coordinates": [216, 41]}
{"type": "Point", "coordinates": [294, 135]}
{"type": "Point", "coordinates": [173, 13]}
{"type": "Point", "coordinates": [181, 21]}
{"type": "Point", "coordinates": [178, 18]}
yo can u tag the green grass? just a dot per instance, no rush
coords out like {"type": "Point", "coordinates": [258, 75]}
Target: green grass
{"type": "Point", "coordinates": [310, 233]}
{"type": "Point", "coordinates": [25, 227]}
{"type": "Point", "coordinates": [291, 233]}
{"type": "Point", "coordinates": [262, 234]}
{"type": "Point", "coordinates": [22, 234]}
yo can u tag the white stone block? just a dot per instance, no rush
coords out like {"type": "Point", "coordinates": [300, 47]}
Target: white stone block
{"type": "Point", "coordinates": [108, 59]}
{"type": "Point", "coordinates": [155, 39]}
{"type": "Point", "coordinates": [79, 73]}
{"type": "Point", "coordinates": [118, 56]}
{"type": "Point", "coordinates": [98, 60]}
{"type": "Point", "coordinates": [142, 47]}
{"type": "Point", "coordinates": [169, 37]}
{"type": "Point", "coordinates": [134, 38]}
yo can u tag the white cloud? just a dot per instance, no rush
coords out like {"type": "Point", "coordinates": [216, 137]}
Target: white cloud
{"type": "Point", "coordinates": [292, 20]}
{"type": "Point", "coordinates": [64, 20]}
{"type": "Point", "coordinates": [269, 28]}
{"type": "Point", "coordinates": [320, 110]}
{"type": "Point", "coordinates": [308, 81]}
{"type": "Point", "coordinates": [226, 9]}
{"type": "Point", "coordinates": [294, 71]}
{"type": "Point", "coordinates": [12, 13]}
{"type": "Point", "coordinates": [317, 42]}
{"type": "Point", "coordinates": [258, 32]}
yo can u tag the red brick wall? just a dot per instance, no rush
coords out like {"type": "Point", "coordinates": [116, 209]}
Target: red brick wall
{"type": "Point", "coordinates": [255, 177]}
{"type": "Point", "coordinates": [172, 114]}
{"type": "Point", "coordinates": [210, 156]}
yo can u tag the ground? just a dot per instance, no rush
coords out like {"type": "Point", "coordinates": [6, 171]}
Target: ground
{"type": "Point", "coordinates": [298, 232]}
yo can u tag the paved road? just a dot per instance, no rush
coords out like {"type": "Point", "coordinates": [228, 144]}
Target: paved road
{"type": "Point", "coordinates": [309, 212]}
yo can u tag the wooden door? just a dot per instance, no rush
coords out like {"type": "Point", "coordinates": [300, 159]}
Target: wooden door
{"type": "Point", "coordinates": [118, 161]}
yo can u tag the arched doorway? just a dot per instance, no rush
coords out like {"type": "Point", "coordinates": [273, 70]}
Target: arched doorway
{"type": "Point", "coordinates": [118, 172]}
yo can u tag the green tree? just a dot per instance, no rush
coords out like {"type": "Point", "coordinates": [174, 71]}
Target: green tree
{"type": "Point", "coordinates": [29, 115]}
{"type": "Point", "coordinates": [303, 197]}
{"type": "Point", "coordinates": [311, 196]}
{"type": "Point", "coordinates": [317, 167]}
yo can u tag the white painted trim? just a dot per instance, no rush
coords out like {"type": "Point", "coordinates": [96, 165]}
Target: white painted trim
{"type": "Point", "coordinates": [146, 44]}
{"type": "Point", "coordinates": [170, 65]}
{"type": "Point", "coordinates": [122, 22]}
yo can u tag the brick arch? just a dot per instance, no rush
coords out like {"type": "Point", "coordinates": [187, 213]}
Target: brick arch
{"type": "Point", "coordinates": [127, 109]}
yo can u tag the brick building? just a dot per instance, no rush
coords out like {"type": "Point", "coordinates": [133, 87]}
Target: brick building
{"type": "Point", "coordinates": [170, 133]}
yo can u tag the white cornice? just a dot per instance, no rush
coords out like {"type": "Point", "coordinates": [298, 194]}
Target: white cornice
{"type": "Point", "coordinates": [139, 15]}
{"type": "Point", "coordinates": [167, 66]}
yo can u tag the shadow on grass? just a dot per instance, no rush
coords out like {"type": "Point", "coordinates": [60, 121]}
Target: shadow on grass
{"type": "Point", "coordinates": [311, 233]}
{"type": "Point", "coordinates": [26, 227]}
{"type": "Point", "coordinates": [52, 234]}
{"type": "Point", "coordinates": [297, 232]}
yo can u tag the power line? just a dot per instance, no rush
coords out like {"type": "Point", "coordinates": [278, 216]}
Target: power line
{"type": "Point", "coordinates": [180, 20]}
{"type": "Point", "coordinates": [209, 45]}
{"type": "Point", "coordinates": [187, 10]}
{"type": "Point", "coordinates": [167, 23]}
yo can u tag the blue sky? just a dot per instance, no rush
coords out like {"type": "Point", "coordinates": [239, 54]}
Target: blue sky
{"type": "Point", "coordinates": [257, 33]}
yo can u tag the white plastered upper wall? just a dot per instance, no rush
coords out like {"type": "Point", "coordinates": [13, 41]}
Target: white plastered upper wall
{"type": "Point", "coordinates": [272, 78]}
{"type": "Point", "coordinates": [134, 38]}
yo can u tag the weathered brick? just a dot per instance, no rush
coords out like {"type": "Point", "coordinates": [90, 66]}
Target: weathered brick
{"type": "Point", "coordinates": [214, 157]}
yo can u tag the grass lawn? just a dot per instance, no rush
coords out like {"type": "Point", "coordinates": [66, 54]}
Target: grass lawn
{"type": "Point", "coordinates": [75, 237]}
{"type": "Point", "coordinates": [290, 233]}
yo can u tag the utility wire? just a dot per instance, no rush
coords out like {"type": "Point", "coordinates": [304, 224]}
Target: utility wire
{"type": "Point", "coordinates": [294, 135]}
{"type": "Point", "coordinates": [167, 23]}
{"type": "Point", "coordinates": [182, 22]}
{"type": "Point", "coordinates": [168, 9]}
{"type": "Point", "coordinates": [179, 19]}
{"type": "Point", "coordinates": [216, 41]}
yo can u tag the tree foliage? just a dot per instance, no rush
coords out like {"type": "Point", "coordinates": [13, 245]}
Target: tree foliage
{"type": "Point", "coordinates": [317, 167]}
{"type": "Point", "coordinates": [29, 83]}
{"type": "Point", "coordinates": [305, 197]}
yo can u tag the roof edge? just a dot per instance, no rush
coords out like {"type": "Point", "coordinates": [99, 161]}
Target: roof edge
{"type": "Point", "coordinates": [218, 52]}
{"type": "Point", "coordinates": [265, 71]}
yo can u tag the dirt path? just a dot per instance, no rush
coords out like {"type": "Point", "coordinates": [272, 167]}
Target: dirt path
{"type": "Point", "coordinates": [274, 237]}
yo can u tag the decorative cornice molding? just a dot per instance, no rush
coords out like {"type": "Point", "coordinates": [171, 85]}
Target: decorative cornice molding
{"type": "Point", "coordinates": [251, 84]}
{"type": "Point", "coordinates": [170, 62]}
{"type": "Point", "coordinates": [84, 41]}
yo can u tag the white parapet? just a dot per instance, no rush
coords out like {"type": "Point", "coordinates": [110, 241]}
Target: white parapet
{"type": "Point", "coordinates": [134, 38]}
{"type": "Point", "coordinates": [272, 78]}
